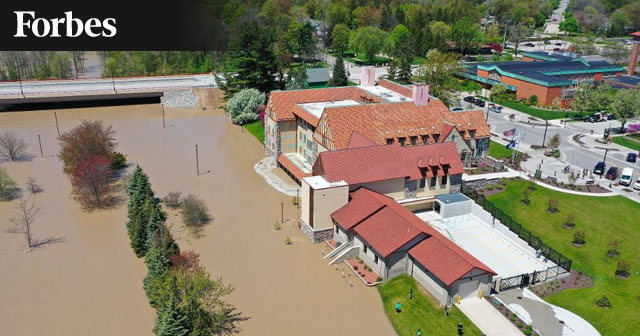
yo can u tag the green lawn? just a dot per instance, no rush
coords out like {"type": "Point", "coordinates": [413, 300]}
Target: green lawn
{"type": "Point", "coordinates": [423, 311]}
{"type": "Point", "coordinates": [604, 219]}
{"type": "Point", "coordinates": [536, 112]}
{"type": "Point", "coordinates": [499, 151]}
{"type": "Point", "coordinates": [624, 141]}
{"type": "Point", "coordinates": [256, 129]}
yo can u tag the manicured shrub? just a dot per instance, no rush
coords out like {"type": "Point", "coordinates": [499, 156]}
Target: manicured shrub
{"type": "Point", "coordinates": [287, 240]}
{"type": "Point", "coordinates": [552, 205]}
{"type": "Point", "coordinates": [570, 221]}
{"type": "Point", "coordinates": [603, 302]}
{"type": "Point", "coordinates": [118, 161]}
{"type": "Point", "coordinates": [623, 269]}
{"type": "Point", "coordinates": [525, 197]}
{"type": "Point", "coordinates": [378, 279]}
{"type": "Point", "coordinates": [579, 237]}
{"type": "Point", "coordinates": [614, 245]}
{"type": "Point", "coordinates": [276, 225]}
{"type": "Point", "coordinates": [194, 213]}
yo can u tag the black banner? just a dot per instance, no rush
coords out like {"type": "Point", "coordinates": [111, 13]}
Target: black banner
{"type": "Point", "coordinates": [113, 25]}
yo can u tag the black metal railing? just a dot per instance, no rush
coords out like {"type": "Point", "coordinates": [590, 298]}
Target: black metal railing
{"type": "Point", "coordinates": [564, 263]}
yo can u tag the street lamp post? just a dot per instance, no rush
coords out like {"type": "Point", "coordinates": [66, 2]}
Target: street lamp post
{"type": "Point", "coordinates": [20, 80]}
{"type": "Point", "coordinates": [544, 138]}
{"type": "Point", "coordinates": [197, 162]}
{"type": "Point", "coordinates": [40, 143]}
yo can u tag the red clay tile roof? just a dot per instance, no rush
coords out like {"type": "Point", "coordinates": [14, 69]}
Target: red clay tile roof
{"type": "Point", "coordinates": [378, 122]}
{"type": "Point", "coordinates": [362, 205]}
{"type": "Point", "coordinates": [385, 232]}
{"type": "Point", "coordinates": [285, 103]}
{"type": "Point", "coordinates": [636, 33]}
{"type": "Point", "coordinates": [445, 261]}
{"type": "Point", "coordinates": [291, 167]}
{"type": "Point", "coordinates": [406, 91]}
{"type": "Point", "coordinates": [379, 163]}
{"type": "Point", "coordinates": [357, 141]}
{"type": "Point", "coordinates": [387, 226]}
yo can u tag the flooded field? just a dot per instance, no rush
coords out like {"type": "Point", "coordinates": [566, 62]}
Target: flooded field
{"type": "Point", "coordinates": [91, 282]}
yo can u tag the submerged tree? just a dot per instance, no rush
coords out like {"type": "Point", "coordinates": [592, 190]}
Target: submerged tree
{"type": "Point", "coordinates": [12, 147]}
{"type": "Point", "coordinates": [8, 187]}
{"type": "Point", "coordinates": [89, 139]}
{"type": "Point", "coordinates": [27, 212]}
{"type": "Point", "coordinates": [94, 184]}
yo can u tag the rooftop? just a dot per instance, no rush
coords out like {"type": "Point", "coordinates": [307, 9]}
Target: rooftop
{"type": "Point", "coordinates": [316, 109]}
{"type": "Point", "coordinates": [388, 226]}
{"type": "Point", "coordinates": [318, 182]}
{"type": "Point", "coordinates": [386, 94]}
{"type": "Point", "coordinates": [452, 198]}
{"type": "Point", "coordinates": [385, 162]}
{"type": "Point", "coordinates": [318, 75]}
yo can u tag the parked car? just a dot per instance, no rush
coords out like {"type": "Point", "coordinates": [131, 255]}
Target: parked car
{"type": "Point", "coordinates": [457, 109]}
{"type": "Point", "coordinates": [611, 116]}
{"type": "Point", "coordinates": [556, 49]}
{"type": "Point", "coordinates": [632, 157]}
{"type": "Point", "coordinates": [599, 169]}
{"type": "Point", "coordinates": [468, 99]}
{"type": "Point", "coordinates": [626, 177]}
{"type": "Point", "coordinates": [596, 117]}
{"type": "Point", "coordinates": [529, 44]}
{"type": "Point", "coordinates": [636, 185]}
{"type": "Point", "coordinates": [496, 109]}
{"type": "Point", "coordinates": [559, 44]}
{"type": "Point", "coordinates": [612, 174]}
{"type": "Point", "coordinates": [479, 102]}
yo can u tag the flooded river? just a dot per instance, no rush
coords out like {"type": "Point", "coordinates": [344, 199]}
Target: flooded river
{"type": "Point", "coordinates": [90, 284]}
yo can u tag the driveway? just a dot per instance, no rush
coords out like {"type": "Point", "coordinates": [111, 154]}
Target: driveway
{"type": "Point", "coordinates": [550, 320]}
{"type": "Point", "coordinates": [487, 318]}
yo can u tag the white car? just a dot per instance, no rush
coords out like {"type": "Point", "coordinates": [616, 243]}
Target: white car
{"type": "Point", "coordinates": [626, 178]}
{"type": "Point", "coordinates": [636, 185]}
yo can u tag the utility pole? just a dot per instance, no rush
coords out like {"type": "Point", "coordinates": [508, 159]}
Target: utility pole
{"type": "Point", "coordinates": [197, 162]}
{"type": "Point", "coordinates": [605, 155]}
{"type": "Point", "coordinates": [281, 212]}
{"type": "Point", "coordinates": [486, 105]}
{"type": "Point", "coordinates": [544, 138]}
{"type": "Point", "coordinates": [20, 80]}
{"type": "Point", "coordinates": [163, 122]}
{"type": "Point", "coordinates": [55, 114]}
{"type": "Point", "coordinates": [40, 143]}
{"type": "Point", "coordinates": [298, 198]}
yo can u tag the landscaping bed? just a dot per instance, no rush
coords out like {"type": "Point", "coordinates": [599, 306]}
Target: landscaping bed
{"type": "Point", "coordinates": [537, 112]}
{"type": "Point", "coordinates": [511, 316]}
{"type": "Point", "coordinates": [626, 141]}
{"type": "Point", "coordinates": [575, 280]}
{"type": "Point", "coordinates": [599, 225]}
{"type": "Point", "coordinates": [422, 312]}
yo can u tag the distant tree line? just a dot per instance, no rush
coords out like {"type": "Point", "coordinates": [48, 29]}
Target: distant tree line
{"type": "Point", "coordinates": [187, 300]}
{"type": "Point", "coordinates": [151, 63]}
{"type": "Point", "coordinates": [15, 65]}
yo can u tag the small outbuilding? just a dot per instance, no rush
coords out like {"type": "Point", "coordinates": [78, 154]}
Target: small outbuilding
{"type": "Point", "coordinates": [318, 77]}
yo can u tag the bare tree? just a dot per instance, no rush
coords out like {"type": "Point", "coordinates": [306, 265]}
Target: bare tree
{"type": "Point", "coordinates": [27, 212]}
{"type": "Point", "coordinates": [78, 61]}
{"type": "Point", "coordinates": [12, 147]}
{"type": "Point", "coordinates": [32, 185]}
{"type": "Point", "coordinates": [554, 142]}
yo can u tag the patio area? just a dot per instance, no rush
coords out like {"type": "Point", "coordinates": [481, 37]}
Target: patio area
{"type": "Point", "coordinates": [504, 254]}
{"type": "Point", "coordinates": [366, 274]}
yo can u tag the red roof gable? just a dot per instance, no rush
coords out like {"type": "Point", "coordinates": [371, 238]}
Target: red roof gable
{"type": "Point", "coordinates": [362, 204]}
{"type": "Point", "coordinates": [387, 226]}
{"type": "Point", "coordinates": [379, 163]}
{"type": "Point", "coordinates": [357, 141]}
{"type": "Point", "coordinates": [291, 167]}
{"type": "Point", "coordinates": [445, 261]}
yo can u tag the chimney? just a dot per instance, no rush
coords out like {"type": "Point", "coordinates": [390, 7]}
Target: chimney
{"type": "Point", "coordinates": [420, 94]}
{"type": "Point", "coordinates": [368, 76]}
{"type": "Point", "coordinates": [634, 54]}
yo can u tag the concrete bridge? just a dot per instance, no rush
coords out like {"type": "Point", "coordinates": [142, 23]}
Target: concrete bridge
{"type": "Point", "coordinates": [51, 91]}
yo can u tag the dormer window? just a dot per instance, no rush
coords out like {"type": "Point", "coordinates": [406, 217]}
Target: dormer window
{"type": "Point", "coordinates": [401, 140]}
{"type": "Point", "coordinates": [436, 137]}
{"type": "Point", "coordinates": [390, 141]}
{"type": "Point", "coordinates": [425, 139]}
{"type": "Point", "coordinates": [472, 134]}
{"type": "Point", "coordinates": [414, 140]}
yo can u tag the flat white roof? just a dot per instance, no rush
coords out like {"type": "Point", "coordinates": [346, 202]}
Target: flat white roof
{"type": "Point", "coordinates": [317, 108]}
{"type": "Point", "coordinates": [386, 94]}
{"type": "Point", "coordinates": [318, 182]}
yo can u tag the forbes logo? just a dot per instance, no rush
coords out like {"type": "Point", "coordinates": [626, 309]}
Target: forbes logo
{"type": "Point", "coordinates": [73, 27]}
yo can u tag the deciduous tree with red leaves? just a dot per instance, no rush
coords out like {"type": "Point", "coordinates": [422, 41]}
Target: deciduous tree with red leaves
{"type": "Point", "coordinates": [93, 183]}
{"type": "Point", "coordinates": [89, 139]}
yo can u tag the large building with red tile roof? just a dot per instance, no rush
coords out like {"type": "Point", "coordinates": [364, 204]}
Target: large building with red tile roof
{"type": "Point", "coordinates": [300, 124]}
{"type": "Point", "coordinates": [392, 240]}
{"type": "Point", "coordinates": [414, 175]}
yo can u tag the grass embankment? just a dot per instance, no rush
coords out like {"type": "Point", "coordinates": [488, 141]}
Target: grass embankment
{"type": "Point", "coordinates": [536, 112]}
{"type": "Point", "coordinates": [256, 129]}
{"type": "Point", "coordinates": [624, 141]}
{"type": "Point", "coordinates": [499, 151]}
{"type": "Point", "coordinates": [423, 311]}
{"type": "Point", "coordinates": [604, 219]}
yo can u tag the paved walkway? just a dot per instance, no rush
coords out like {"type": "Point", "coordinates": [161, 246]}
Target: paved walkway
{"type": "Point", "coordinates": [487, 318]}
{"type": "Point", "coordinates": [550, 320]}
{"type": "Point", "coordinates": [265, 169]}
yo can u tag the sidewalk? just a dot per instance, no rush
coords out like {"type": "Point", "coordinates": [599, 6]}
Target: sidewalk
{"type": "Point", "coordinates": [550, 320]}
{"type": "Point", "coordinates": [487, 318]}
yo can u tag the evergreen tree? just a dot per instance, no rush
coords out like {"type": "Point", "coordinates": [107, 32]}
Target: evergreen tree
{"type": "Point", "coordinates": [156, 221]}
{"type": "Point", "coordinates": [138, 227]}
{"type": "Point", "coordinates": [158, 264]}
{"type": "Point", "coordinates": [404, 70]}
{"type": "Point", "coordinates": [171, 321]}
{"type": "Point", "coordinates": [393, 70]}
{"type": "Point", "coordinates": [340, 75]}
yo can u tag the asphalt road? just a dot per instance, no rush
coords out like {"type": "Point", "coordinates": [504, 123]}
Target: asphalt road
{"type": "Point", "coordinates": [573, 153]}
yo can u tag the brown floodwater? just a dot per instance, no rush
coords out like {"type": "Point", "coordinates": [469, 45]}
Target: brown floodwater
{"type": "Point", "coordinates": [90, 284]}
